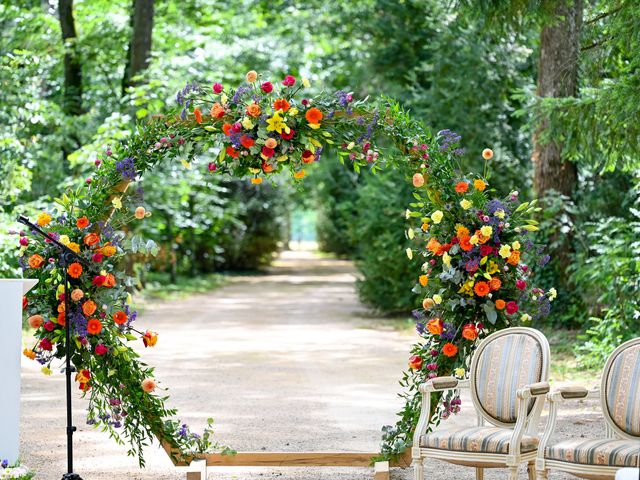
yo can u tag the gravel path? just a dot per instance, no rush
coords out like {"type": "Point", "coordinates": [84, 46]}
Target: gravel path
{"type": "Point", "coordinates": [287, 361]}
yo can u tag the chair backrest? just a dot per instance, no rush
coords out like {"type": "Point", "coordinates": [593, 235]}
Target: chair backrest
{"type": "Point", "coordinates": [620, 390]}
{"type": "Point", "coordinates": [504, 362]}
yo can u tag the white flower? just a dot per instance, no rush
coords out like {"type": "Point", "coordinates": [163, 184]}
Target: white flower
{"type": "Point", "coordinates": [411, 234]}
{"type": "Point", "coordinates": [553, 293]}
{"type": "Point", "coordinates": [407, 214]}
{"type": "Point", "coordinates": [525, 317]}
{"type": "Point", "coordinates": [306, 83]}
{"type": "Point", "coordinates": [437, 216]}
{"type": "Point", "coordinates": [409, 253]}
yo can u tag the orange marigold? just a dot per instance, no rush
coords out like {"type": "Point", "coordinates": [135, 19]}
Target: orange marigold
{"type": "Point", "coordinates": [433, 245]}
{"type": "Point", "coordinates": [313, 115]}
{"type": "Point", "coordinates": [94, 326]}
{"type": "Point", "coordinates": [449, 349]}
{"type": "Point", "coordinates": [465, 244]}
{"type": "Point", "coordinates": [500, 304]}
{"type": "Point", "coordinates": [108, 250]}
{"type": "Point", "coordinates": [75, 270]}
{"type": "Point", "coordinates": [120, 318]}
{"type": "Point", "coordinates": [82, 222]}
{"type": "Point", "coordinates": [479, 185]}
{"type": "Point", "coordinates": [462, 231]}
{"type": "Point", "coordinates": [495, 284]}
{"type": "Point", "coordinates": [281, 104]}
{"type": "Point", "coordinates": [481, 288]}
{"type": "Point", "coordinates": [30, 354]}
{"type": "Point", "coordinates": [462, 187]}
{"type": "Point", "coordinates": [423, 279]}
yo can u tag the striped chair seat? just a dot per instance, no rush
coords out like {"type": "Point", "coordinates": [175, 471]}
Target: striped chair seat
{"type": "Point", "coordinates": [476, 439]}
{"type": "Point", "coordinates": [615, 453]}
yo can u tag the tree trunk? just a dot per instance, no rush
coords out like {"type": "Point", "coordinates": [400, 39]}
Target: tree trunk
{"type": "Point", "coordinates": [72, 96]}
{"type": "Point", "coordinates": [558, 77]}
{"type": "Point", "coordinates": [140, 43]}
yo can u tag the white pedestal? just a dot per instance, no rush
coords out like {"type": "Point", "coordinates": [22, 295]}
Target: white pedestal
{"type": "Point", "coordinates": [11, 292]}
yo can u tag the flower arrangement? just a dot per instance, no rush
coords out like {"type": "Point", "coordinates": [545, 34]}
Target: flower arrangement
{"type": "Point", "coordinates": [15, 472]}
{"type": "Point", "coordinates": [477, 257]}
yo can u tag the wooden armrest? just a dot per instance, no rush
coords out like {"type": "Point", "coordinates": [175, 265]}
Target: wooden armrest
{"type": "Point", "coordinates": [442, 383]}
{"type": "Point", "coordinates": [534, 390]}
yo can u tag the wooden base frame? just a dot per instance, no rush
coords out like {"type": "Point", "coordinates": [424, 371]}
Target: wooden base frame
{"type": "Point", "coordinates": [200, 463]}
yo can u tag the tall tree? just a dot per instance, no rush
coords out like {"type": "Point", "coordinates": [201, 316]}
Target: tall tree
{"type": "Point", "coordinates": [558, 78]}
{"type": "Point", "coordinates": [140, 43]}
{"type": "Point", "coordinates": [72, 97]}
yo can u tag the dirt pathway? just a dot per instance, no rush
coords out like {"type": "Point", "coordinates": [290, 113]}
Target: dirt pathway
{"type": "Point", "coordinates": [287, 361]}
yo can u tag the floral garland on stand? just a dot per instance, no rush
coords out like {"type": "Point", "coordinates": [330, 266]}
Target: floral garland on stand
{"type": "Point", "coordinates": [258, 130]}
{"type": "Point", "coordinates": [477, 258]}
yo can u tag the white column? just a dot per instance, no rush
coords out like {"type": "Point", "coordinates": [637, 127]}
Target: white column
{"type": "Point", "coordinates": [11, 292]}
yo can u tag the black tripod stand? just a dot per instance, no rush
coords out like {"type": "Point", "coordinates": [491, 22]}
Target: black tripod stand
{"type": "Point", "coordinates": [65, 258]}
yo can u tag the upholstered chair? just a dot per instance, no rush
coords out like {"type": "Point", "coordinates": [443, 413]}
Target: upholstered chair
{"type": "Point", "coordinates": [619, 396]}
{"type": "Point", "coordinates": [508, 382]}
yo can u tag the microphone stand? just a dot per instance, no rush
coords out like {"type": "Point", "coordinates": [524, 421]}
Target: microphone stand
{"type": "Point", "coordinates": [66, 257]}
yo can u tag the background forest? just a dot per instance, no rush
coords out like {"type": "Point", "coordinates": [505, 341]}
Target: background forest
{"type": "Point", "coordinates": [553, 87]}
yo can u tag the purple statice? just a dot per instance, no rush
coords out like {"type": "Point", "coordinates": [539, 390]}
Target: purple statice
{"type": "Point", "coordinates": [132, 315]}
{"type": "Point", "coordinates": [344, 98]}
{"type": "Point", "coordinates": [360, 121]}
{"type": "Point", "coordinates": [449, 331]}
{"type": "Point", "coordinates": [458, 151]}
{"type": "Point", "coordinates": [449, 138]}
{"type": "Point", "coordinates": [420, 328]}
{"type": "Point", "coordinates": [183, 114]}
{"type": "Point", "coordinates": [117, 424]}
{"type": "Point", "coordinates": [418, 314]}
{"type": "Point", "coordinates": [544, 260]}
{"type": "Point", "coordinates": [104, 417]}
{"type": "Point", "coordinates": [79, 322]}
{"type": "Point", "coordinates": [5, 463]}
{"type": "Point", "coordinates": [23, 263]}
{"type": "Point", "coordinates": [318, 154]}
{"type": "Point", "coordinates": [238, 95]}
{"type": "Point", "coordinates": [544, 308]}
{"type": "Point", "coordinates": [494, 205]}
{"type": "Point", "coordinates": [106, 231]}
{"type": "Point", "coordinates": [127, 168]}
{"type": "Point", "coordinates": [184, 430]}
{"type": "Point", "coordinates": [91, 421]}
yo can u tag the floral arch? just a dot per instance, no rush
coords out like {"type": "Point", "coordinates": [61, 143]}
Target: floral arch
{"type": "Point", "coordinates": [475, 249]}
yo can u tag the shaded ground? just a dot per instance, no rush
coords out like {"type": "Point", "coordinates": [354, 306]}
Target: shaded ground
{"type": "Point", "coordinates": [288, 361]}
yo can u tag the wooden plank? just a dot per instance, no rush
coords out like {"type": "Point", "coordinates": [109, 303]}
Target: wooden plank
{"type": "Point", "coordinates": [194, 476]}
{"type": "Point", "coordinates": [290, 459]}
{"type": "Point", "coordinates": [381, 471]}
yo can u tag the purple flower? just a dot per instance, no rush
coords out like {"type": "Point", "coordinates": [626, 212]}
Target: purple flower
{"type": "Point", "coordinates": [494, 205]}
{"type": "Point", "coordinates": [5, 463]}
{"type": "Point", "coordinates": [449, 332]}
{"type": "Point", "coordinates": [544, 260]}
{"type": "Point", "coordinates": [127, 168]}
{"type": "Point", "coordinates": [183, 430]}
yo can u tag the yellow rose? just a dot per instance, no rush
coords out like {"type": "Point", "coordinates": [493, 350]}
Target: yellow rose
{"type": "Point", "coordinates": [459, 372]}
{"type": "Point", "coordinates": [466, 204]}
{"type": "Point", "coordinates": [437, 216]}
{"type": "Point", "coordinates": [437, 299]}
{"type": "Point", "coordinates": [293, 112]}
{"type": "Point", "coordinates": [515, 245]}
{"type": "Point", "coordinates": [64, 239]}
{"type": "Point", "coordinates": [74, 246]}
{"type": "Point", "coordinates": [505, 251]}
{"type": "Point", "coordinates": [246, 123]}
{"type": "Point", "coordinates": [499, 213]}
{"type": "Point", "coordinates": [473, 240]}
{"type": "Point", "coordinates": [446, 259]}
{"type": "Point", "coordinates": [486, 231]}
{"type": "Point", "coordinates": [306, 83]}
{"type": "Point", "coordinates": [224, 98]}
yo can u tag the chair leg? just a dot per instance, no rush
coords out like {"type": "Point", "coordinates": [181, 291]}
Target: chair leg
{"type": "Point", "coordinates": [479, 473]}
{"type": "Point", "coordinates": [513, 473]}
{"type": "Point", "coordinates": [531, 471]}
{"type": "Point", "coordinates": [542, 474]}
{"type": "Point", "coordinates": [418, 469]}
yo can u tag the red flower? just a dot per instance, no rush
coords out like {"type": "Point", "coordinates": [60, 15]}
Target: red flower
{"type": "Point", "coordinates": [288, 136]}
{"type": "Point", "coordinates": [101, 349]}
{"type": "Point", "coordinates": [485, 250]}
{"type": "Point", "coordinates": [246, 141]}
{"type": "Point", "coordinates": [82, 222]}
{"type": "Point", "coordinates": [212, 167]}
{"type": "Point", "coordinates": [512, 307]}
{"type": "Point", "coordinates": [267, 87]}
{"type": "Point", "coordinates": [94, 326]}
{"type": "Point", "coordinates": [97, 257]}
{"type": "Point", "coordinates": [521, 284]}
{"type": "Point", "coordinates": [99, 280]}
{"type": "Point", "coordinates": [232, 152]}
{"type": "Point", "coordinates": [217, 88]}
{"type": "Point", "coordinates": [289, 81]}
{"type": "Point", "coordinates": [226, 128]}
{"type": "Point", "coordinates": [307, 156]}
{"type": "Point", "coordinates": [267, 152]}
{"type": "Point", "coordinates": [120, 318]}
{"type": "Point", "coordinates": [462, 187]}
{"type": "Point", "coordinates": [49, 326]}
{"type": "Point", "coordinates": [415, 362]}
{"type": "Point", "coordinates": [25, 302]}
{"type": "Point", "coordinates": [45, 344]}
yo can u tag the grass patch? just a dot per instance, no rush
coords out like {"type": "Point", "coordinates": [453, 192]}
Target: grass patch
{"type": "Point", "coordinates": [159, 286]}
{"type": "Point", "coordinates": [564, 366]}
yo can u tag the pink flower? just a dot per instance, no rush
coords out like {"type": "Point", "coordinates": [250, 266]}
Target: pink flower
{"type": "Point", "coordinates": [212, 167]}
{"type": "Point", "coordinates": [521, 284]}
{"type": "Point", "coordinates": [485, 250]}
{"type": "Point", "coordinates": [97, 162]}
{"type": "Point", "coordinates": [97, 257]}
{"type": "Point", "coordinates": [45, 344]}
{"type": "Point", "coordinates": [217, 88]}
{"type": "Point", "coordinates": [148, 385]}
{"type": "Point", "coordinates": [289, 81]}
{"type": "Point", "coordinates": [101, 349]}
{"type": "Point", "coordinates": [89, 180]}
{"type": "Point", "coordinates": [512, 307]}
{"type": "Point", "coordinates": [24, 241]}
{"type": "Point", "coordinates": [49, 326]}
{"type": "Point", "coordinates": [267, 87]}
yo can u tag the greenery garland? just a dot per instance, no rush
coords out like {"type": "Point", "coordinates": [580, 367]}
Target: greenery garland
{"type": "Point", "coordinates": [259, 130]}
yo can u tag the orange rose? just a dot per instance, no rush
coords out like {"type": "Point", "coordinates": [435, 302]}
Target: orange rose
{"type": "Point", "coordinates": [428, 303]}
{"type": "Point", "coordinates": [89, 307]}
{"type": "Point", "coordinates": [299, 174]}
{"type": "Point", "coordinates": [514, 258]}
{"type": "Point", "coordinates": [469, 332]}
{"type": "Point", "coordinates": [91, 239]}
{"type": "Point", "coordinates": [61, 307]}
{"type": "Point", "coordinates": [308, 156]}
{"type": "Point", "coordinates": [62, 321]}
{"type": "Point", "coordinates": [148, 385]}
{"type": "Point", "coordinates": [77, 295]}
{"type": "Point", "coordinates": [314, 116]}
{"type": "Point", "coordinates": [217, 111]}
{"type": "Point", "coordinates": [281, 104]}
{"type": "Point", "coordinates": [120, 318]}
{"type": "Point", "coordinates": [415, 362]}
{"type": "Point", "coordinates": [462, 187]}
{"type": "Point", "coordinates": [75, 270]}
{"type": "Point", "coordinates": [150, 338]}
{"type": "Point", "coordinates": [433, 245]}
{"type": "Point", "coordinates": [495, 284]}
{"type": "Point", "coordinates": [253, 110]}
{"type": "Point", "coordinates": [73, 246]}
{"type": "Point", "coordinates": [36, 261]}
{"type": "Point", "coordinates": [94, 326]}
{"type": "Point", "coordinates": [449, 349]}
{"type": "Point", "coordinates": [83, 376]}
{"type": "Point", "coordinates": [271, 143]}
{"type": "Point", "coordinates": [435, 326]}
{"type": "Point", "coordinates": [82, 222]}
{"type": "Point", "coordinates": [500, 304]}
{"type": "Point", "coordinates": [109, 281]}
{"type": "Point", "coordinates": [226, 128]}
{"type": "Point", "coordinates": [481, 289]}
{"type": "Point", "coordinates": [35, 321]}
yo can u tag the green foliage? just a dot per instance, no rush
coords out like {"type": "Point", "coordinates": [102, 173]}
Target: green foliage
{"type": "Point", "coordinates": [378, 233]}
